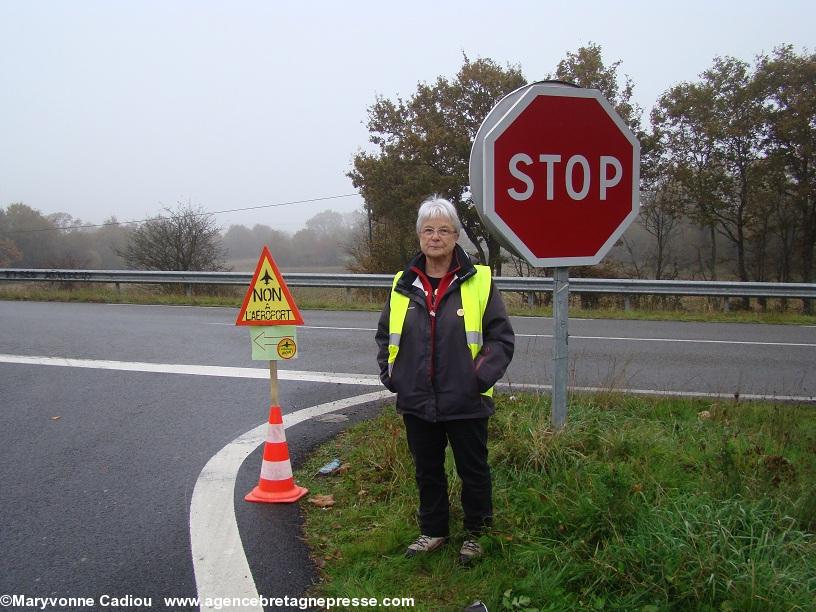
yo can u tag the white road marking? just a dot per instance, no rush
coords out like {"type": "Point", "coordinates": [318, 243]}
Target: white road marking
{"type": "Point", "coordinates": [370, 380]}
{"type": "Point", "coordinates": [219, 563]}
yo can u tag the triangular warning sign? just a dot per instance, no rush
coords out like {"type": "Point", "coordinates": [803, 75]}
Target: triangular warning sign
{"type": "Point", "coordinates": [268, 301]}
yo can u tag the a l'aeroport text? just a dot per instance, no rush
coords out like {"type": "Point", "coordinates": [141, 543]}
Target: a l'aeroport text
{"type": "Point", "coordinates": [269, 314]}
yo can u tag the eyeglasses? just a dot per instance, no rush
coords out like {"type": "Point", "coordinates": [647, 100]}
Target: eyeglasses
{"type": "Point", "coordinates": [442, 232]}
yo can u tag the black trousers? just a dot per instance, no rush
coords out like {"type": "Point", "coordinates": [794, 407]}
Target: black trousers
{"type": "Point", "coordinates": [468, 440]}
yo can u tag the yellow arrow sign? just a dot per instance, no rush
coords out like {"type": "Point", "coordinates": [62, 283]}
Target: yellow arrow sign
{"type": "Point", "coordinates": [274, 343]}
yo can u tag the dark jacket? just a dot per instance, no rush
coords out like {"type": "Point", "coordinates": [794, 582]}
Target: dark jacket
{"type": "Point", "coordinates": [440, 380]}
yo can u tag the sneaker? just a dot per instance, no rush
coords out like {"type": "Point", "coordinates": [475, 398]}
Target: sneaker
{"type": "Point", "coordinates": [424, 544]}
{"type": "Point", "coordinates": [470, 551]}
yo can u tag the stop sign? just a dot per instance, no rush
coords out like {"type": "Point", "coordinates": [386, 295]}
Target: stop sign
{"type": "Point", "coordinates": [555, 172]}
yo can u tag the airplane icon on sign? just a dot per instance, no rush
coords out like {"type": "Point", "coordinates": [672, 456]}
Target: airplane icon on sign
{"type": "Point", "coordinates": [266, 278]}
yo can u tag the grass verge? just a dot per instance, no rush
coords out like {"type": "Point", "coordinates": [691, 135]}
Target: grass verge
{"type": "Point", "coordinates": [309, 298]}
{"type": "Point", "coordinates": [640, 504]}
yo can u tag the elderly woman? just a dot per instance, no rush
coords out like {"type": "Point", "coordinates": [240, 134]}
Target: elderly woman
{"type": "Point", "coordinates": [444, 340]}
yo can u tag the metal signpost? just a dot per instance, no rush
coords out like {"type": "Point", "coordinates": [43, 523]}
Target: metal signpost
{"type": "Point", "coordinates": [554, 174]}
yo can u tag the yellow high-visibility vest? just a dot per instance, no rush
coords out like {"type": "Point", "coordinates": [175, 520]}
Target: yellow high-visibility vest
{"type": "Point", "coordinates": [475, 292]}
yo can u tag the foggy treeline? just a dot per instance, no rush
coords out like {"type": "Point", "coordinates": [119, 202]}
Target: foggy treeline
{"type": "Point", "coordinates": [29, 239]}
{"type": "Point", "coordinates": [322, 243]}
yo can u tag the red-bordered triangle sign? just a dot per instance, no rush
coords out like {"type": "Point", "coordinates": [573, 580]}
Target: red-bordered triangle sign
{"type": "Point", "coordinates": [268, 301]}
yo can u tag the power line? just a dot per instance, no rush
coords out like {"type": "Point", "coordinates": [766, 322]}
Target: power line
{"type": "Point", "coordinates": [201, 214]}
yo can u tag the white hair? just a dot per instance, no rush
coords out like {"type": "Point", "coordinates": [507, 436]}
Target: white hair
{"type": "Point", "coordinates": [434, 207]}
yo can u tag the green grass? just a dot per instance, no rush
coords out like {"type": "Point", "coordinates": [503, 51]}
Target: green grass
{"type": "Point", "coordinates": [307, 298]}
{"type": "Point", "coordinates": [106, 295]}
{"type": "Point", "coordinates": [640, 504]}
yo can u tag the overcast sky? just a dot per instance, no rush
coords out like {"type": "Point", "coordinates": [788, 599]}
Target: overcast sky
{"type": "Point", "coordinates": [124, 108]}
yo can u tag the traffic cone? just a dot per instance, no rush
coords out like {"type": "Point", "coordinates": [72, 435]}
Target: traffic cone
{"type": "Point", "coordinates": [276, 484]}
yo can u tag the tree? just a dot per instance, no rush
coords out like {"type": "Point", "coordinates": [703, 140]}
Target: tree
{"type": "Point", "coordinates": [34, 236]}
{"type": "Point", "coordinates": [788, 83]}
{"type": "Point", "coordinates": [243, 243]}
{"type": "Point", "coordinates": [240, 243]}
{"type": "Point", "coordinates": [737, 132]}
{"type": "Point", "coordinates": [9, 253]}
{"type": "Point", "coordinates": [186, 239]}
{"type": "Point", "coordinates": [326, 224]}
{"type": "Point", "coordinates": [661, 212]}
{"type": "Point", "coordinates": [110, 241]}
{"type": "Point", "coordinates": [660, 218]}
{"type": "Point", "coordinates": [279, 242]}
{"type": "Point", "coordinates": [586, 68]}
{"type": "Point", "coordinates": [322, 241]}
{"type": "Point", "coordinates": [710, 133]}
{"type": "Point", "coordinates": [686, 151]}
{"type": "Point", "coordinates": [391, 188]}
{"type": "Point", "coordinates": [423, 148]}
{"type": "Point", "coordinates": [74, 244]}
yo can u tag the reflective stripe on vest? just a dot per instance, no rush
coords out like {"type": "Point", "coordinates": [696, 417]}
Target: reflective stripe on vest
{"type": "Point", "coordinates": [475, 292]}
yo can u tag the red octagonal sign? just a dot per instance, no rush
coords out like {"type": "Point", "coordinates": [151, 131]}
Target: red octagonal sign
{"type": "Point", "coordinates": [561, 173]}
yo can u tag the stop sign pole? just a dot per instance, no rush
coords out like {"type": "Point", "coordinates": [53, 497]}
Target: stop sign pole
{"type": "Point", "coordinates": [558, 405]}
{"type": "Point", "coordinates": [554, 175]}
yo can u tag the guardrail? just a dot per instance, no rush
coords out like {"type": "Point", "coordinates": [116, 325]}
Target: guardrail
{"type": "Point", "coordinates": [620, 286]}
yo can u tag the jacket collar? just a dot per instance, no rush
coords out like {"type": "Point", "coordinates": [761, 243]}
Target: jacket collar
{"type": "Point", "coordinates": [460, 259]}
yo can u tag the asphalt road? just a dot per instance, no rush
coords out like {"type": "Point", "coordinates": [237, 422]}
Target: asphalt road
{"type": "Point", "coordinates": [96, 501]}
{"type": "Point", "coordinates": [774, 360]}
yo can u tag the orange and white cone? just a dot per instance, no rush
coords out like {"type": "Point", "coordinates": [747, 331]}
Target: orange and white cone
{"type": "Point", "coordinates": [276, 485]}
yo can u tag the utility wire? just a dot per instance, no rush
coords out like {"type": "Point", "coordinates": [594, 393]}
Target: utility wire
{"type": "Point", "coordinates": [201, 214]}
